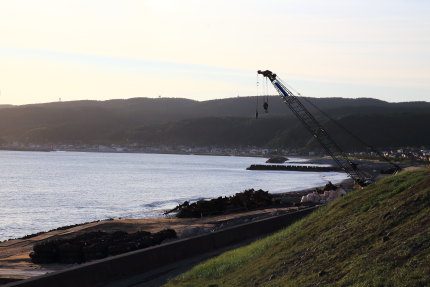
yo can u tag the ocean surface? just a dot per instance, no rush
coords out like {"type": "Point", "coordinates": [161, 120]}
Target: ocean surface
{"type": "Point", "coordinates": [40, 191]}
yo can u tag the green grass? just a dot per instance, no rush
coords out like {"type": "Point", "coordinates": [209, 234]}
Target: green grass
{"type": "Point", "coordinates": [377, 236]}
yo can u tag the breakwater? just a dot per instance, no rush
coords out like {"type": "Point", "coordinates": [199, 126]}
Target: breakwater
{"type": "Point", "coordinates": [292, 167]}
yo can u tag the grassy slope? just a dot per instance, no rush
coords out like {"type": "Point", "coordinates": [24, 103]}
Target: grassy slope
{"type": "Point", "coordinates": [378, 236]}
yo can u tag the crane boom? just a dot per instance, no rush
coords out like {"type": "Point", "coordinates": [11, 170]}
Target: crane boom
{"type": "Point", "coordinates": [316, 129]}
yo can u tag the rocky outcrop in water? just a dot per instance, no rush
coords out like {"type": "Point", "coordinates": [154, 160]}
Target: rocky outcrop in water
{"type": "Point", "coordinates": [249, 199]}
{"type": "Point", "coordinates": [277, 159]}
{"type": "Point", "coordinates": [95, 245]}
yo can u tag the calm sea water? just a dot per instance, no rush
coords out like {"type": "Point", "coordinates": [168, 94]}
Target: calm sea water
{"type": "Point", "coordinates": [40, 191]}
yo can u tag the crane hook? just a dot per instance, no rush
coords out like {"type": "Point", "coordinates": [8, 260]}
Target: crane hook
{"type": "Point", "coordinates": [265, 106]}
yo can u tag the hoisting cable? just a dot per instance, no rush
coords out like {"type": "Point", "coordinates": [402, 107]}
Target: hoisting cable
{"type": "Point", "coordinates": [398, 168]}
{"type": "Point", "coordinates": [265, 96]}
{"type": "Point", "coordinates": [256, 106]}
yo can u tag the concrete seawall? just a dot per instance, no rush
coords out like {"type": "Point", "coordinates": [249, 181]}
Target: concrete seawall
{"type": "Point", "coordinates": [101, 272]}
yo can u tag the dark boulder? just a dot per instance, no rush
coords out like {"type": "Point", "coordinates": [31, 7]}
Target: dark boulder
{"type": "Point", "coordinates": [69, 252]}
{"type": "Point", "coordinates": [44, 252]}
{"type": "Point", "coordinates": [95, 250]}
{"type": "Point", "coordinates": [163, 235]}
{"type": "Point", "coordinates": [330, 186]}
{"type": "Point", "coordinates": [277, 159]}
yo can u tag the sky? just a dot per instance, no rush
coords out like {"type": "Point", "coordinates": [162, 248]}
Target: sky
{"type": "Point", "coordinates": [118, 49]}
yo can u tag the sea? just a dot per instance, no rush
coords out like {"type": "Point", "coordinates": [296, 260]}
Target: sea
{"type": "Point", "coordinates": [40, 191]}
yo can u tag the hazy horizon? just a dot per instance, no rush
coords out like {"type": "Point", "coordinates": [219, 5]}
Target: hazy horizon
{"type": "Point", "coordinates": [204, 100]}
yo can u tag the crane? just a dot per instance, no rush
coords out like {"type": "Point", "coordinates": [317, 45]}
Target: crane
{"type": "Point", "coordinates": [317, 130]}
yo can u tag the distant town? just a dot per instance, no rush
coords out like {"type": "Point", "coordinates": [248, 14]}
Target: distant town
{"type": "Point", "coordinates": [401, 154]}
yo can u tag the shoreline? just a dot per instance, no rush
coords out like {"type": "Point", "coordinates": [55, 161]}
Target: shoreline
{"type": "Point", "coordinates": [14, 253]}
{"type": "Point", "coordinates": [291, 195]}
{"type": "Point", "coordinates": [148, 152]}
{"type": "Point", "coordinates": [15, 262]}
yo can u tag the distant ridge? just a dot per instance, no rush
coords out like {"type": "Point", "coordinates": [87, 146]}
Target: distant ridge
{"type": "Point", "coordinates": [227, 122]}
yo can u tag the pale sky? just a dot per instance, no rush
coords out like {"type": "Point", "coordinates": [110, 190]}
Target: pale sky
{"type": "Point", "coordinates": [112, 49]}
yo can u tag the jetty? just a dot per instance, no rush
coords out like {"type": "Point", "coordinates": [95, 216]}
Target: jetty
{"type": "Point", "coordinates": [292, 167]}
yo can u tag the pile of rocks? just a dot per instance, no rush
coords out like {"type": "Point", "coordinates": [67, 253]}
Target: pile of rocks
{"type": "Point", "coordinates": [95, 245]}
{"type": "Point", "coordinates": [329, 193]}
{"type": "Point", "coordinates": [249, 199]}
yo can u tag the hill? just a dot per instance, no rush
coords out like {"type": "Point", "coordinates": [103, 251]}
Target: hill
{"type": "Point", "coordinates": [227, 122]}
{"type": "Point", "coordinates": [381, 130]}
{"type": "Point", "coordinates": [378, 236]}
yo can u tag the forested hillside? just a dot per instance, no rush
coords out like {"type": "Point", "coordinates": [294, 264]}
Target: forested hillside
{"type": "Point", "coordinates": [225, 122]}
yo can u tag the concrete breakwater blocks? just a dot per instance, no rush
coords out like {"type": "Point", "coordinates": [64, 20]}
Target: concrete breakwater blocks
{"type": "Point", "coordinates": [293, 168]}
{"type": "Point", "coordinates": [101, 272]}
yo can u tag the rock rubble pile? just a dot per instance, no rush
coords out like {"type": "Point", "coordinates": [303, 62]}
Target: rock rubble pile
{"type": "Point", "coordinates": [95, 245]}
{"type": "Point", "coordinates": [247, 200]}
{"type": "Point", "coordinates": [329, 193]}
